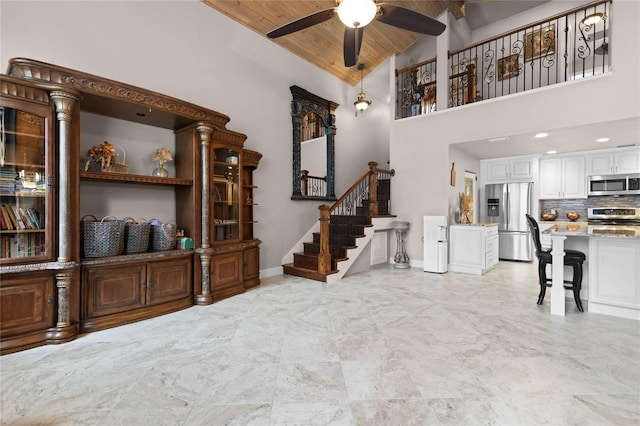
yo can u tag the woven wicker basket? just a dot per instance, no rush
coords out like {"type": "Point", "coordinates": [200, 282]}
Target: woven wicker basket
{"type": "Point", "coordinates": [136, 235]}
{"type": "Point", "coordinates": [101, 238]}
{"type": "Point", "coordinates": [163, 237]}
{"type": "Point", "coordinates": [113, 167]}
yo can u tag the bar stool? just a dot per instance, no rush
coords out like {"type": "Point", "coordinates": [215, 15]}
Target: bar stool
{"type": "Point", "coordinates": [573, 258]}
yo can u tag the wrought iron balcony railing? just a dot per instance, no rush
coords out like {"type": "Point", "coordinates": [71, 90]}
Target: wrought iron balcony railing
{"type": "Point", "coordinates": [565, 47]}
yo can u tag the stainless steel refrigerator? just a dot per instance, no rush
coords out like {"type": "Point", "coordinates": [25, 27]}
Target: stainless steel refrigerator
{"type": "Point", "coordinates": [506, 205]}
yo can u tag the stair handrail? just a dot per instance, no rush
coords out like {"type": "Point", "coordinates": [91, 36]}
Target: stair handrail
{"type": "Point", "coordinates": [324, 257]}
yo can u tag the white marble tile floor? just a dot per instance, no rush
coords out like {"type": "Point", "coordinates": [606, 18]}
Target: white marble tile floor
{"type": "Point", "coordinates": [385, 347]}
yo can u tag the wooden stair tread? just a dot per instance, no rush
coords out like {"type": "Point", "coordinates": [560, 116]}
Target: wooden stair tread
{"type": "Point", "coordinates": [290, 269]}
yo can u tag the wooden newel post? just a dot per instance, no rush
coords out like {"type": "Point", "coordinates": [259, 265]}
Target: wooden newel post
{"type": "Point", "coordinates": [304, 184]}
{"type": "Point", "coordinates": [324, 258]}
{"type": "Point", "coordinates": [373, 189]}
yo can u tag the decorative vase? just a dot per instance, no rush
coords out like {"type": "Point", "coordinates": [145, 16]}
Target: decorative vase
{"type": "Point", "coordinates": [160, 171]}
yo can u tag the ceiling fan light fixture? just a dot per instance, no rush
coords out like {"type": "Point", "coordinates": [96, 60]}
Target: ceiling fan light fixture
{"type": "Point", "coordinates": [357, 13]}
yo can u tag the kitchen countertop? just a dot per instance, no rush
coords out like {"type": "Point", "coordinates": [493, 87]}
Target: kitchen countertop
{"type": "Point", "coordinates": [475, 224]}
{"type": "Point", "coordinates": [584, 229]}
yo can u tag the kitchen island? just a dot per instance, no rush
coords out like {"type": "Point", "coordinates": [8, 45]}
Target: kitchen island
{"type": "Point", "coordinates": [473, 247]}
{"type": "Point", "coordinates": [614, 267]}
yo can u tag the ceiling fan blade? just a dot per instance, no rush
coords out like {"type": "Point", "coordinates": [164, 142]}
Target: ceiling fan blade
{"type": "Point", "coordinates": [352, 45]}
{"type": "Point", "coordinates": [406, 19]}
{"type": "Point", "coordinates": [302, 23]}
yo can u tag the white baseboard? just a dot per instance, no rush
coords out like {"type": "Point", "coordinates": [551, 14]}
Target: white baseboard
{"type": "Point", "coordinates": [271, 272]}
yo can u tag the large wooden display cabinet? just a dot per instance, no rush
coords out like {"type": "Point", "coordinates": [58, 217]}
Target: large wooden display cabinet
{"type": "Point", "coordinates": [49, 293]}
{"type": "Point", "coordinates": [38, 298]}
{"type": "Point", "coordinates": [228, 257]}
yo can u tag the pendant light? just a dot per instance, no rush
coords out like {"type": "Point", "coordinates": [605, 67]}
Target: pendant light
{"type": "Point", "coordinates": [362, 103]}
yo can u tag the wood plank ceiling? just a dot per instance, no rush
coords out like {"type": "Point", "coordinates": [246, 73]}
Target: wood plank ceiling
{"type": "Point", "coordinates": [322, 44]}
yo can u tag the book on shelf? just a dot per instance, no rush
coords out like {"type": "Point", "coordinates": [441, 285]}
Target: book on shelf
{"type": "Point", "coordinates": [9, 216]}
{"type": "Point", "coordinates": [33, 217]}
{"type": "Point", "coordinates": [21, 245]}
{"type": "Point", "coordinates": [24, 219]}
{"type": "Point", "coordinates": [3, 221]}
{"type": "Point", "coordinates": [16, 217]}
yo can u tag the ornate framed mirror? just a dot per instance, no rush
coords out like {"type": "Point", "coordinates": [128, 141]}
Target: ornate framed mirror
{"type": "Point", "coordinates": [314, 130]}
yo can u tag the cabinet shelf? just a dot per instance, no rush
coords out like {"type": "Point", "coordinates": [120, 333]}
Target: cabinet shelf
{"type": "Point", "coordinates": [24, 134]}
{"type": "Point", "coordinates": [24, 195]}
{"type": "Point", "coordinates": [22, 231]}
{"type": "Point", "coordinates": [226, 224]}
{"type": "Point", "coordinates": [24, 165]}
{"type": "Point", "coordinates": [136, 257]}
{"type": "Point", "coordinates": [139, 179]}
{"type": "Point", "coordinates": [224, 163]}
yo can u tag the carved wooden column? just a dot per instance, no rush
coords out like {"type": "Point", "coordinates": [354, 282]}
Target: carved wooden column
{"type": "Point", "coordinates": [63, 283]}
{"type": "Point", "coordinates": [331, 155]}
{"type": "Point", "coordinates": [205, 132]}
{"type": "Point", "coordinates": [64, 103]}
{"type": "Point", "coordinates": [296, 119]}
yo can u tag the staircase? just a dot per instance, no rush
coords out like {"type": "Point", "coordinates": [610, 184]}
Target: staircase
{"type": "Point", "coordinates": [332, 245]}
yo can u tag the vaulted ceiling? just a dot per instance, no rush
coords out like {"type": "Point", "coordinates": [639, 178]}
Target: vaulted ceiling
{"type": "Point", "coordinates": [322, 44]}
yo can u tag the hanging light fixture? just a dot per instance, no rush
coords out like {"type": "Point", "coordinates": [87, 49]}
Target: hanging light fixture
{"type": "Point", "coordinates": [362, 103]}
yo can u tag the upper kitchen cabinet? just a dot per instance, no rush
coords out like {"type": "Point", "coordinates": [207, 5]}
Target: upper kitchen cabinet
{"type": "Point", "coordinates": [512, 169]}
{"type": "Point", "coordinates": [563, 177]}
{"type": "Point", "coordinates": [616, 161]}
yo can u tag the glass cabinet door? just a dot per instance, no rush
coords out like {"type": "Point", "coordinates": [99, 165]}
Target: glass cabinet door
{"type": "Point", "coordinates": [24, 196]}
{"type": "Point", "coordinates": [226, 195]}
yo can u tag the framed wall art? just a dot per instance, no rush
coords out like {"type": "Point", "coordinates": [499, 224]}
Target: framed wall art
{"type": "Point", "coordinates": [508, 67]}
{"type": "Point", "coordinates": [541, 42]}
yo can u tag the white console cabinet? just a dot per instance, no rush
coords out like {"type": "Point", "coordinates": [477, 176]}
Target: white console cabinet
{"type": "Point", "coordinates": [473, 248]}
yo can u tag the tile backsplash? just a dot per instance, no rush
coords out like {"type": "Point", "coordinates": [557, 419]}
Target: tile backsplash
{"type": "Point", "coordinates": [565, 206]}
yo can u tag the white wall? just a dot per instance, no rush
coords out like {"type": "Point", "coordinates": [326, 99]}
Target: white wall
{"type": "Point", "coordinates": [187, 50]}
{"type": "Point", "coordinates": [419, 150]}
{"type": "Point", "coordinates": [463, 163]}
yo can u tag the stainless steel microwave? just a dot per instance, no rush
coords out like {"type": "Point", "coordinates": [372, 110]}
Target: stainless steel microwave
{"type": "Point", "coordinates": [614, 184]}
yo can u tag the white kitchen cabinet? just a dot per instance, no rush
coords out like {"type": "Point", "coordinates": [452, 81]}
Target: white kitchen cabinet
{"type": "Point", "coordinates": [563, 177]}
{"type": "Point", "coordinates": [609, 162]}
{"type": "Point", "coordinates": [473, 249]}
{"type": "Point", "coordinates": [514, 169]}
{"type": "Point", "coordinates": [614, 276]}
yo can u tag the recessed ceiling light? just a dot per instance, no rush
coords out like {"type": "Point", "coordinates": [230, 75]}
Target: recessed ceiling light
{"type": "Point", "coordinates": [601, 140]}
{"type": "Point", "coordinates": [541, 135]}
{"type": "Point", "coordinates": [552, 152]}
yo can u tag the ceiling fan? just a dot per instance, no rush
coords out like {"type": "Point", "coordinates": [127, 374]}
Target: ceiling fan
{"type": "Point", "coordinates": [355, 15]}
